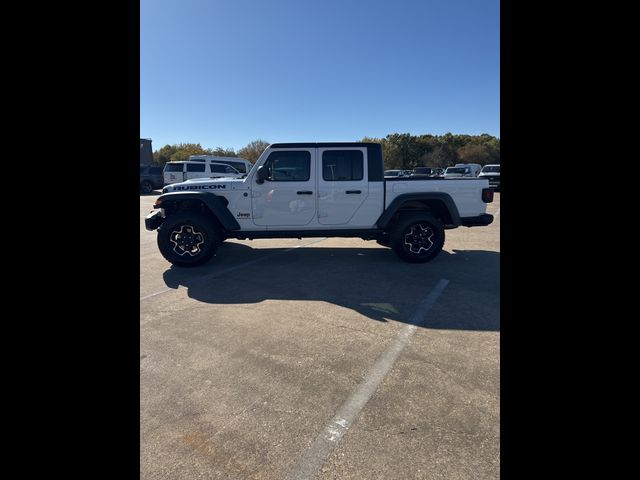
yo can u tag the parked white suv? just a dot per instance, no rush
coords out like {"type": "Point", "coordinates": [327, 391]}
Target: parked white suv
{"type": "Point", "coordinates": [175, 172]}
{"type": "Point", "coordinates": [241, 164]}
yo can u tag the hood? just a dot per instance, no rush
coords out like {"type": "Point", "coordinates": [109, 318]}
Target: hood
{"type": "Point", "coordinates": [206, 184]}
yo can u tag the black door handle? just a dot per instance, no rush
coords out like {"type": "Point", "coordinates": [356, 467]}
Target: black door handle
{"type": "Point", "coordinates": [354, 191]}
{"type": "Point", "coordinates": [305, 192]}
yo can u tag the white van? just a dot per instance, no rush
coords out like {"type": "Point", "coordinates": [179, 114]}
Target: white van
{"type": "Point", "coordinates": [180, 171]}
{"type": "Point", "coordinates": [240, 164]}
{"type": "Point", "coordinates": [460, 170]}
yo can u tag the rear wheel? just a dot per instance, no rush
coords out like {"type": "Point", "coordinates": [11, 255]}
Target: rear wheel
{"type": "Point", "coordinates": [418, 238]}
{"type": "Point", "coordinates": [188, 239]}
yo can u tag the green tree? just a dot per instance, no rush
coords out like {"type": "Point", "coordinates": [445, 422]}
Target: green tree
{"type": "Point", "coordinates": [182, 151]}
{"type": "Point", "coordinates": [475, 153]}
{"type": "Point", "coordinates": [402, 150]}
{"type": "Point", "coordinates": [253, 150]}
{"type": "Point", "coordinates": [163, 155]}
{"type": "Point", "coordinates": [442, 156]}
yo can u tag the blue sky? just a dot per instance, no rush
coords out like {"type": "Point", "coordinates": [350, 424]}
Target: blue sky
{"type": "Point", "coordinates": [225, 72]}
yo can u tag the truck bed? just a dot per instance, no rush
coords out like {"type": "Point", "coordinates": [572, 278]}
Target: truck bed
{"type": "Point", "coordinates": [466, 192]}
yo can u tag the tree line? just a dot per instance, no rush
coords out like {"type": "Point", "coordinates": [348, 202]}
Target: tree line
{"type": "Point", "coordinates": [401, 150]}
{"type": "Point", "coordinates": [181, 151]}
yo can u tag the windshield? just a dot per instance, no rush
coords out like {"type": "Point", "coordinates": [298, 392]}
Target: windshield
{"type": "Point", "coordinates": [456, 170]}
{"type": "Point", "coordinates": [173, 167]}
{"type": "Point", "coordinates": [491, 169]}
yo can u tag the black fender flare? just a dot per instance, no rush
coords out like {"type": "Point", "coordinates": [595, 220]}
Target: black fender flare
{"type": "Point", "coordinates": [441, 197]}
{"type": "Point", "coordinates": [215, 203]}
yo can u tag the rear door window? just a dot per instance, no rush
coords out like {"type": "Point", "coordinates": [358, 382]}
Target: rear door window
{"type": "Point", "coordinates": [343, 165]}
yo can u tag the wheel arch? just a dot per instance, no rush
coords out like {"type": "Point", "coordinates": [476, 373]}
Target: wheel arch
{"type": "Point", "coordinates": [212, 206]}
{"type": "Point", "coordinates": [438, 204]}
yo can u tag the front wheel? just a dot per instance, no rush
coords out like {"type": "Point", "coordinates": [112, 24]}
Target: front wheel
{"type": "Point", "coordinates": [188, 240]}
{"type": "Point", "coordinates": [418, 238]}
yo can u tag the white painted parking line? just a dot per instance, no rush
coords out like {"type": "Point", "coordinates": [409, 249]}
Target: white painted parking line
{"type": "Point", "coordinates": [235, 267]}
{"type": "Point", "coordinates": [497, 212]}
{"type": "Point", "coordinates": [318, 452]}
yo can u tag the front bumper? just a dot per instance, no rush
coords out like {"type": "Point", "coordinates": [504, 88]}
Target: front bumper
{"type": "Point", "coordinates": [479, 221]}
{"type": "Point", "coordinates": [153, 220]}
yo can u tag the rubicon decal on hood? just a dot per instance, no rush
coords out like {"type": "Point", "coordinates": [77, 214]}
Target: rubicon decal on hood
{"type": "Point", "coordinates": [198, 187]}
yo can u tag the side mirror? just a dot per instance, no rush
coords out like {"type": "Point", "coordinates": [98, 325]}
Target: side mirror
{"type": "Point", "coordinates": [261, 174]}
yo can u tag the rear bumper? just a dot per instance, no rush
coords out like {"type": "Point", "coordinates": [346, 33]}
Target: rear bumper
{"type": "Point", "coordinates": [153, 220]}
{"type": "Point", "coordinates": [479, 221]}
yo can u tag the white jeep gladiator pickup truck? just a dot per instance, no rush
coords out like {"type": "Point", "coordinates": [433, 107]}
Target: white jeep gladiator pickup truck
{"type": "Point", "coordinates": [300, 190]}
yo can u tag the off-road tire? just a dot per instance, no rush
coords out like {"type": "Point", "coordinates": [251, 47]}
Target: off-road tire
{"type": "Point", "coordinates": [188, 239]}
{"type": "Point", "coordinates": [417, 238]}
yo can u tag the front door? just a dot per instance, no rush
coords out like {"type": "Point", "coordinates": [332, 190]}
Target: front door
{"type": "Point", "coordinates": [343, 185]}
{"type": "Point", "coordinates": [287, 198]}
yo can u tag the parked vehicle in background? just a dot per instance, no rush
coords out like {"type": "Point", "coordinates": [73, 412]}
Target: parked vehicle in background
{"type": "Point", "coordinates": [461, 170]}
{"type": "Point", "coordinates": [491, 173]}
{"type": "Point", "coordinates": [175, 172]}
{"type": "Point", "coordinates": [240, 164]}
{"type": "Point", "coordinates": [394, 173]}
{"type": "Point", "coordinates": [439, 173]}
{"type": "Point", "coordinates": [423, 172]}
{"type": "Point", "coordinates": [151, 178]}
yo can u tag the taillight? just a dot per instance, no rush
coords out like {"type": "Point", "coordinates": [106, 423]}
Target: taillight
{"type": "Point", "coordinates": [487, 195]}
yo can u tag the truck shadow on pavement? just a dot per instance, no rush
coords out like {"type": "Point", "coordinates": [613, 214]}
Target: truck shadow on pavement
{"type": "Point", "coordinates": [371, 281]}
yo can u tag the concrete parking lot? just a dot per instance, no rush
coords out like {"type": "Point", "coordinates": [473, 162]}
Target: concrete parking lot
{"type": "Point", "coordinates": [321, 358]}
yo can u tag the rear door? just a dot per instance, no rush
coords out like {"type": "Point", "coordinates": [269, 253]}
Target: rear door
{"type": "Point", "coordinates": [343, 185]}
